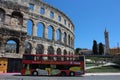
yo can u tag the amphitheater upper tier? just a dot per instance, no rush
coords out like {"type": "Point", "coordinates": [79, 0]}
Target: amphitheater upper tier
{"type": "Point", "coordinates": [35, 27]}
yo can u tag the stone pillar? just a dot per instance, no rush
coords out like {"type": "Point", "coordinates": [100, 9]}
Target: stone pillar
{"type": "Point", "coordinates": [46, 32]}
{"type": "Point", "coordinates": [7, 19]}
{"type": "Point", "coordinates": [45, 52]}
{"type": "Point", "coordinates": [62, 35]}
{"type": "Point", "coordinates": [34, 29]}
{"type": "Point", "coordinates": [21, 48]}
{"type": "Point", "coordinates": [55, 53]}
{"type": "Point", "coordinates": [3, 44]}
{"type": "Point", "coordinates": [54, 35]}
{"type": "Point", "coordinates": [33, 48]}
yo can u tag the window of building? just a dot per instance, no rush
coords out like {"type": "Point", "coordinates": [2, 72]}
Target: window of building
{"type": "Point", "coordinates": [42, 11]}
{"type": "Point", "coordinates": [69, 25]}
{"type": "Point", "coordinates": [31, 7]}
{"type": "Point", "coordinates": [59, 18]}
{"type": "Point", "coordinates": [2, 15]}
{"type": "Point", "coordinates": [51, 14]}
{"type": "Point", "coordinates": [65, 22]}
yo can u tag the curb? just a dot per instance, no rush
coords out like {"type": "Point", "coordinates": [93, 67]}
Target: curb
{"type": "Point", "coordinates": [101, 74]}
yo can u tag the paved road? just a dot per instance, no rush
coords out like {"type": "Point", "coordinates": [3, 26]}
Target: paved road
{"type": "Point", "coordinates": [108, 76]}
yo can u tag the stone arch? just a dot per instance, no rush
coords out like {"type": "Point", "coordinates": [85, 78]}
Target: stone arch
{"type": "Point", "coordinates": [17, 18]}
{"type": "Point", "coordinates": [65, 37]}
{"type": "Point", "coordinates": [29, 27]}
{"type": "Point", "coordinates": [58, 36]}
{"type": "Point", "coordinates": [72, 41]}
{"type": "Point", "coordinates": [10, 46]}
{"type": "Point", "coordinates": [69, 39]}
{"type": "Point", "coordinates": [42, 10]}
{"type": "Point", "coordinates": [65, 53]}
{"type": "Point", "coordinates": [2, 15]}
{"type": "Point", "coordinates": [59, 53]}
{"type": "Point", "coordinates": [13, 42]}
{"type": "Point", "coordinates": [50, 51]}
{"type": "Point", "coordinates": [28, 47]}
{"type": "Point", "coordinates": [40, 29]}
{"type": "Point", "coordinates": [50, 32]}
{"type": "Point", "coordinates": [40, 49]}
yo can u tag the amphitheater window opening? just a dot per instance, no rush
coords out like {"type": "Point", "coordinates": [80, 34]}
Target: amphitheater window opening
{"type": "Point", "coordinates": [50, 33]}
{"type": "Point", "coordinates": [51, 14]}
{"type": "Point", "coordinates": [50, 52]}
{"type": "Point", "coordinates": [69, 25]}
{"type": "Point", "coordinates": [69, 39]}
{"type": "Point", "coordinates": [17, 18]}
{"type": "Point", "coordinates": [65, 53]}
{"type": "Point", "coordinates": [11, 47]}
{"type": "Point", "coordinates": [65, 38]}
{"type": "Point", "coordinates": [40, 30]}
{"type": "Point", "coordinates": [39, 49]}
{"type": "Point", "coordinates": [64, 22]}
{"type": "Point", "coordinates": [58, 36]}
{"type": "Point", "coordinates": [59, 18]}
{"type": "Point", "coordinates": [71, 42]}
{"type": "Point", "coordinates": [31, 7]}
{"type": "Point", "coordinates": [2, 15]}
{"type": "Point", "coordinates": [29, 27]}
{"type": "Point", "coordinates": [69, 57]}
{"type": "Point", "coordinates": [28, 48]}
{"type": "Point", "coordinates": [42, 11]}
{"type": "Point", "coordinates": [59, 53]}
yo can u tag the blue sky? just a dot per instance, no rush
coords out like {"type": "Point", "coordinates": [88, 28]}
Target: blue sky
{"type": "Point", "coordinates": [90, 18]}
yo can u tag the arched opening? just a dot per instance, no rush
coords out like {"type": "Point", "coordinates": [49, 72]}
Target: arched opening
{"type": "Point", "coordinates": [65, 38]}
{"type": "Point", "coordinates": [28, 48]}
{"type": "Point", "coordinates": [59, 53]}
{"type": "Point", "coordinates": [17, 18]}
{"type": "Point", "coordinates": [29, 27]}
{"type": "Point", "coordinates": [50, 52]}
{"type": "Point", "coordinates": [40, 29]}
{"type": "Point", "coordinates": [58, 36]}
{"type": "Point", "coordinates": [12, 46]}
{"type": "Point", "coordinates": [51, 14]}
{"type": "Point", "coordinates": [69, 39]}
{"type": "Point", "coordinates": [2, 15]}
{"type": "Point", "coordinates": [50, 32]}
{"type": "Point", "coordinates": [72, 41]}
{"type": "Point", "coordinates": [65, 53]}
{"type": "Point", "coordinates": [42, 11]}
{"type": "Point", "coordinates": [39, 49]}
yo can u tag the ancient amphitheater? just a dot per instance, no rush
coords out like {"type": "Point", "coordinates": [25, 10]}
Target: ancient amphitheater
{"type": "Point", "coordinates": [32, 27]}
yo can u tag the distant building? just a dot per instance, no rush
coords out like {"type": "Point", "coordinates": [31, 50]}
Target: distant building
{"type": "Point", "coordinates": [115, 51]}
{"type": "Point", "coordinates": [107, 51]}
{"type": "Point", "coordinates": [86, 52]}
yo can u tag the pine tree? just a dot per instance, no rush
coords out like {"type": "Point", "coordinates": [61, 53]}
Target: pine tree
{"type": "Point", "coordinates": [101, 49]}
{"type": "Point", "coordinates": [94, 48]}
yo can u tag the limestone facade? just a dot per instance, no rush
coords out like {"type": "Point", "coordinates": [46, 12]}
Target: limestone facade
{"type": "Point", "coordinates": [35, 27]}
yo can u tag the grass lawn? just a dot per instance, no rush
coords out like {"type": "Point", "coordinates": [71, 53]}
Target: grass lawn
{"type": "Point", "coordinates": [90, 64]}
{"type": "Point", "coordinates": [104, 69]}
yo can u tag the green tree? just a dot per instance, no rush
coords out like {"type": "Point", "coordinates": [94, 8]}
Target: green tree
{"type": "Point", "coordinates": [94, 48]}
{"type": "Point", "coordinates": [77, 50]}
{"type": "Point", "coordinates": [101, 49]}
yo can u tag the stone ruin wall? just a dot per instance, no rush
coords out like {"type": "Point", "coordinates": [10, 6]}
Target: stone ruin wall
{"type": "Point", "coordinates": [14, 18]}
